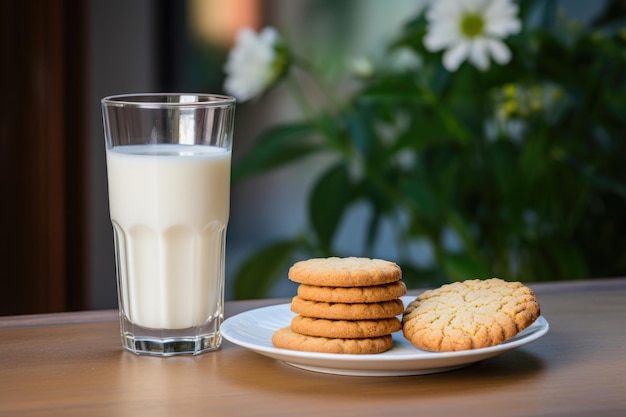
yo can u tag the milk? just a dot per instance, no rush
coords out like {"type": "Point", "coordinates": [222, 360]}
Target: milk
{"type": "Point", "coordinates": [169, 208]}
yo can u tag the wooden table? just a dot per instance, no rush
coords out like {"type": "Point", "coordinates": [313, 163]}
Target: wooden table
{"type": "Point", "coordinates": [71, 364]}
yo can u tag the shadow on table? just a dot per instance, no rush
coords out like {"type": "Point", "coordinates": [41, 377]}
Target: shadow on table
{"type": "Point", "coordinates": [509, 369]}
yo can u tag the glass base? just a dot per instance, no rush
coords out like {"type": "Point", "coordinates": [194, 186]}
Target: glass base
{"type": "Point", "coordinates": [165, 342]}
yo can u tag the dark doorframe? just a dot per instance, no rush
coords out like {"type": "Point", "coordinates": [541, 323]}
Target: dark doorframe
{"type": "Point", "coordinates": [42, 148]}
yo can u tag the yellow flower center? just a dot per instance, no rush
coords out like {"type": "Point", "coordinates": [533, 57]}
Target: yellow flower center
{"type": "Point", "coordinates": [472, 25]}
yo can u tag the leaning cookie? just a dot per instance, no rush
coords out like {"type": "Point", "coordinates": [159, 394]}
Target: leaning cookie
{"type": "Point", "coordinates": [469, 315]}
{"type": "Point", "coordinates": [345, 329]}
{"type": "Point", "coordinates": [285, 338]}
{"type": "Point", "coordinates": [344, 272]}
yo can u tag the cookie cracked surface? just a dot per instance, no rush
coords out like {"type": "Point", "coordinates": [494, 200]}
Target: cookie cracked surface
{"type": "Point", "coordinates": [469, 315]}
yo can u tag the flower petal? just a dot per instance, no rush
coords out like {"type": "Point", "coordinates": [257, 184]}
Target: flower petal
{"type": "Point", "coordinates": [501, 28]}
{"type": "Point", "coordinates": [455, 55]}
{"type": "Point", "coordinates": [499, 51]}
{"type": "Point", "coordinates": [478, 54]}
{"type": "Point", "coordinates": [501, 18]}
{"type": "Point", "coordinates": [438, 39]}
{"type": "Point", "coordinates": [269, 36]}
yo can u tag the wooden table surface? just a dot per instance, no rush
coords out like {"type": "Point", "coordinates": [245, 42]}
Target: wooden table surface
{"type": "Point", "coordinates": [72, 364]}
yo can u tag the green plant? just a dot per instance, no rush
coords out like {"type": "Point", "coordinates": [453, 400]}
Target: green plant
{"type": "Point", "coordinates": [521, 161]}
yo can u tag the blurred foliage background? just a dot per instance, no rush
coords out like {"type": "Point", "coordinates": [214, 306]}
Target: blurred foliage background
{"type": "Point", "coordinates": [515, 172]}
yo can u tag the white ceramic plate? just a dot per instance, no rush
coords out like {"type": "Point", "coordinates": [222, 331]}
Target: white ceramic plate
{"type": "Point", "coordinates": [253, 330]}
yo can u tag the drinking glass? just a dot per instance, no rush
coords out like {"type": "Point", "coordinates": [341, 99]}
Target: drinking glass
{"type": "Point", "coordinates": [168, 166]}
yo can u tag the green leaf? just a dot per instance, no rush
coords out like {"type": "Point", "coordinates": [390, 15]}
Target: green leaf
{"type": "Point", "coordinates": [277, 146]}
{"type": "Point", "coordinates": [331, 130]}
{"type": "Point", "coordinates": [569, 261]}
{"type": "Point", "coordinates": [550, 13]}
{"type": "Point", "coordinates": [600, 181]}
{"type": "Point", "coordinates": [505, 171]}
{"type": "Point", "coordinates": [462, 228]}
{"type": "Point", "coordinates": [358, 130]}
{"type": "Point", "coordinates": [459, 267]}
{"type": "Point", "coordinates": [615, 11]}
{"type": "Point", "coordinates": [372, 229]}
{"type": "Point", "coordinates": [534, 158]}
{"type": "Point", "coordinates": [421, 197]}
{"type": "Point", "coordinates": [329, 199]}
{"type": "Point", "coordinates": [263, 269]}
{"type": "Point", "coordinates": [427, 130]}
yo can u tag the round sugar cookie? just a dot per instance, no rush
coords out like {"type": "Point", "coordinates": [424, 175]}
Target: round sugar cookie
{"type": "Point", "coordinates": [469, 315]}
{"type": "Point", "coordinates": [344, 272]}
{"type": "Point", "coordinates": [285, 338]}
{"type": "Point", "coordinates": [369, 294]}
{"type": "Point", "coordinates": [345, 311]}
{"type": "Point", "coordinates": [353, 329]}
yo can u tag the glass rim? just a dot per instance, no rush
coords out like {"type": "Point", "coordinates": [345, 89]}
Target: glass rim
{"type": "Point", "coordinates": [161, 100]}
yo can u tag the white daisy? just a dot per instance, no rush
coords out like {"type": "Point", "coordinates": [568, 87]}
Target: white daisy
{"type": "Point", "coordinates": [253, 64]}
{"type": "Point", "coordinates": [472, 30]}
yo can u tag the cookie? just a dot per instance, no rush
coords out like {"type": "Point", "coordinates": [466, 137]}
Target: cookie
{"type": "Point", "coordinates": [469, 315]}
{"type": "Point", "coordinates": [353, 329]}
{"type": "Point", "coordinates": [285, 338]}
{"type": "Point", "coordinates": [344, 272]}
{"type": "Point", "coordinates": [345, 311]}
{"type": "Point", "coordinates": [370, 294]}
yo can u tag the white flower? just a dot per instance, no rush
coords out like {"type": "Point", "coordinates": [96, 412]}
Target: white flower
{"type": "Point", "coordinates": [362, 67]}
{"type": "Point", "coordinates": [253, 64]}
{"type": "Point", "coordinates": [471, 29]}
{"type": "Point", "coordinates": [404, 60]}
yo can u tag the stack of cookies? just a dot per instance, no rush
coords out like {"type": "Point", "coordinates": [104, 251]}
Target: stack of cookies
{"type": "Point", "coordinates": [344, 305]}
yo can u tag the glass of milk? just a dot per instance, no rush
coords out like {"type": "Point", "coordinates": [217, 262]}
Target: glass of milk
{"type": "Point", "coordinates": [168, 165]}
